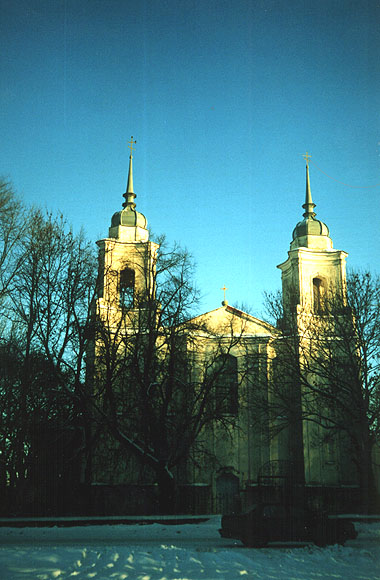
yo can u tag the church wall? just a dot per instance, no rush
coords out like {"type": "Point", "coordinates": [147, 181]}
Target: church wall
{"type": "Point", "coordinates": [238, 450]}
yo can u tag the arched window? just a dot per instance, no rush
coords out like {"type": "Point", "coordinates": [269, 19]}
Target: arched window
{"type": "Point", "coordinates": [127, 287]}
{"type": "Point", "coordinates": [226, 385]}
{"type": "Point", "coordinates": [318, 295]}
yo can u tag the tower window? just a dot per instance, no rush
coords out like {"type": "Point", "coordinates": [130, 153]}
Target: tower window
{"type": "Point", "coordinates": [127, 287]}
{"type": "Point", "coordinates": [318, 295]}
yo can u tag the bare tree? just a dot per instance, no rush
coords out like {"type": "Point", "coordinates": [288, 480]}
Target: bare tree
{"type": "Point", "coordinates": [12, 218]}
{"type": "Point", "coordinates": [327, 374]}
{"type": "Point", "coordinates": [47, 325]}
{"type": "Point", "coordinates": [158, 372]}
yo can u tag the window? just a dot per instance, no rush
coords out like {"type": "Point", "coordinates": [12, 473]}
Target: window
{"type": "Point", "coordinates": [226, 385]}
{"type": "Point", "coordinates": [318, 295]}
{"type": "Point", "coordinates": [127, 287]}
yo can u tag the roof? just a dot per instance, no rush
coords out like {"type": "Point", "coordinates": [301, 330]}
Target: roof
{"type": "Point", "coordinates": [227, 319]}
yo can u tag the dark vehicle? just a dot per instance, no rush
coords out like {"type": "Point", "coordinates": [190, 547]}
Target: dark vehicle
{"type": "Point", "coordinates": [270, 522]}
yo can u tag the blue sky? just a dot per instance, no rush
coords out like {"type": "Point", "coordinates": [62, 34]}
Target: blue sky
{"type": "Point", "coordinates": [223, 98]}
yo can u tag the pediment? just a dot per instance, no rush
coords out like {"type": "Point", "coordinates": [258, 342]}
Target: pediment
{"type": "Point", "coordinates": [227, 319]}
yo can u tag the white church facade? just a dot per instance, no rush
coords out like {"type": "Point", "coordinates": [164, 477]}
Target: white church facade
{"type": "Point", "coordinates": [247, 452]}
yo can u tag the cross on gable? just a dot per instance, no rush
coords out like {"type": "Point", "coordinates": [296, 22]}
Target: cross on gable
{"type": "Point", "coordinates": [224, 290]}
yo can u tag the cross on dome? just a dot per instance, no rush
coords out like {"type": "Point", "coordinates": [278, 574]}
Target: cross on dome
{"type": "Point", "coordinates": [130, 145]}
{"type": "Point", "coordinates": [307, 158]}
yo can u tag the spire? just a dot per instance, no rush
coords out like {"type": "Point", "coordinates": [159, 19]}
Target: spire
{"type": "Point", "coordinates": [129, 194]}
{"type": "Point", "coordinates": [128, 224]}
{"type": "Point", "coordinates": [308, 205]}
{"type": "Point", "coordinates": [310, 232]}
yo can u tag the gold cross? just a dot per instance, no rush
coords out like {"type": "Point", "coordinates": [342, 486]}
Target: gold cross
{"type": "Point", "coordinates": [130, 144]}
{"type": "Point", "coordinates": [307, 158]}
{"type": "Point", "coordinates": [224, 290]}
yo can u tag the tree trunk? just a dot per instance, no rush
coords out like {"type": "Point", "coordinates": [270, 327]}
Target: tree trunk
{"type": "Point", "coordinates": [167, 491]}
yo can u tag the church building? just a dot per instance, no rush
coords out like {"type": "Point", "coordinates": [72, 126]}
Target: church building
{"type": "Point", "coordinates": [259, 441]}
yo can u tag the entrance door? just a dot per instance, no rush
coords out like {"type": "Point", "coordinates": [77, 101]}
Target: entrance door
{"type": "Point", "coordinates": [227, 494]}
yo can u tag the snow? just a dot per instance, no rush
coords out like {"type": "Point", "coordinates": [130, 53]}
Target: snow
{"type": "Point", "coordinates": [177, 552]}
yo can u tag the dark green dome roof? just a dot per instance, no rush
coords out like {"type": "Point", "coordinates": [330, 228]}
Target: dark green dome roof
{"type": "Point", "coordinates": [129, 216]}
{"type": "Point", "coordinates": [310, 227]}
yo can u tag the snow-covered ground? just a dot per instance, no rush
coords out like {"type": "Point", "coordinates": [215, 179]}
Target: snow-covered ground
{"type": "Point", "coordinates": [181, 552]}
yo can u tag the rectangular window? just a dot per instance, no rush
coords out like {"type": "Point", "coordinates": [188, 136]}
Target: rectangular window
{"type": "Point", "coordinates": [127, 288]}
{"type": "Point", "coordinates": [226, 386]}
{"type": "Point", "coordinates": [318, 295]}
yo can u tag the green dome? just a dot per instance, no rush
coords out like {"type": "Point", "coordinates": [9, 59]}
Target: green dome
{"type": "Point", "coordinates": [129, 217]}
{"type": "Point", "coordinates": [310, 227]}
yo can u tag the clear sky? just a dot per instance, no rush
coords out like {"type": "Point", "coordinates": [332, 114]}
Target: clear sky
{"type": "Point", "coordinates": [222, 97]}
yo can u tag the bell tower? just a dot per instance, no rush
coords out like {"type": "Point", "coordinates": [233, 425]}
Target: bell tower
{"type": "Point", "coordinates": [314, 270]}
{"type": "Point", "coordinates": [314, 300]}
{"type": "Point", "coordinates": [127, 257]}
